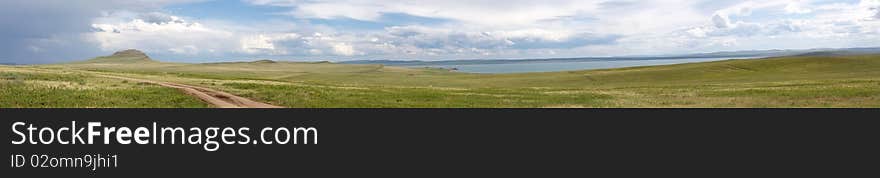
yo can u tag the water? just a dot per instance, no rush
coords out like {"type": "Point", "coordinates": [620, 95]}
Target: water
{"type": "Point", "coordinates": [566, 66]}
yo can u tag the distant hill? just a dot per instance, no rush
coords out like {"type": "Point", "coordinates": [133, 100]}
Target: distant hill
{"type": "Point", "coordinates": [843, 52]}
{"type": "Point", "coordinates": [779, 53]}
{"type": "Point", "coordinates": [725, 54]}
{"type": "Point", "coordinates": [264, 61]}
{"type": "Point", "coordinates": [125, 56]}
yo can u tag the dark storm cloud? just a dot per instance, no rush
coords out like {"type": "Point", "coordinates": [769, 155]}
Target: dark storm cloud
{"type": "Point", "coordinates": [30, 27]}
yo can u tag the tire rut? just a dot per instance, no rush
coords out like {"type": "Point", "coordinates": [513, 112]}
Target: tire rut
{"type": "Point", "coordinates": [217, 98]}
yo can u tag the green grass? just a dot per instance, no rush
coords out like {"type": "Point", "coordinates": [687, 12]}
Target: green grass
{"type": "Point", "coordinates": [315, 96]}
{"type": "Point", "coordinates": [845, 81]}
{"type": "Point", "coordinates": [41, 90]}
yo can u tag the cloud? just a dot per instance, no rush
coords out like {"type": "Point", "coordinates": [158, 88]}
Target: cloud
{"type": "Point", "coordinates": [873, 6]}
{"type": "Point", "coordinates": [159, 18]}
{"type": "Point", "coordinates": [721, 21]}
{"type": "Point", "coordinates": [343, 49]}
{"type": "Point", "coordinates": [160, 33]}
{"type": "Point", "coordinates": [178, 36]}
{"type": "Point", "coordinates": [255, 44]}
{"type": "Point", "coordinates": [454, 42]}
{"type": "Point", "coordinates": [817, 18]}
{"type": "Point", "coordinates": [490, 11]}
{"type": "Point", "coordinates": [795, 7]}
{"type": "Point", "coordinates": [44, 31]}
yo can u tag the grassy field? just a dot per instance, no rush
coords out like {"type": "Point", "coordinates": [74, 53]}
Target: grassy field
{"type": "Point", "coordinates": [847, 81]}
{"type": "Point", "coordinates": [32, 88]}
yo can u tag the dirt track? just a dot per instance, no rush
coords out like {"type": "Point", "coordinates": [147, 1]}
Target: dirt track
{"type": "Point", "coordinates": [217, 98]}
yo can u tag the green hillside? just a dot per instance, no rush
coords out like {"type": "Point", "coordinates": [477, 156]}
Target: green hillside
{"type": "Point", "coordinates": [130, 56]}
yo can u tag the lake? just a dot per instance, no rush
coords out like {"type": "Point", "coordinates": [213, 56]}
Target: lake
{"type": "Point", "coordinates": [554, 66]}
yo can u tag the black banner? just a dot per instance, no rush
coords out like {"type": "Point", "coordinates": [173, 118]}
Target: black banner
{"type": "Point", "coordinates": [443, 142]}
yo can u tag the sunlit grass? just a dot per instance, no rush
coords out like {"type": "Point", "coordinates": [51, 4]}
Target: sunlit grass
{"type": "Point", "coordinates": [39, 90]}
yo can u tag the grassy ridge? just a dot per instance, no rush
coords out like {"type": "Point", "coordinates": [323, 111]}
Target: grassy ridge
{"type": "Point", "coordinates": [845, 81]}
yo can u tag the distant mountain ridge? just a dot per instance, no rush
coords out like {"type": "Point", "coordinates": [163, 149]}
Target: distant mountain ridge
{"type": "Point", "coordinates": [730, 54]}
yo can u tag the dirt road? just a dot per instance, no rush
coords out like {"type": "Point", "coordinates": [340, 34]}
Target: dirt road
{"type": "Point", "coordinates": [217, 98]}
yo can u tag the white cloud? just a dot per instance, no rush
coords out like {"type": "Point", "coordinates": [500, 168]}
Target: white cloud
{"type": "Point", "coordinates": [256, 44]}
{"type": "Point", "coordinates": [489, 11]}
{"type": "Point", "coordinates": [186, 50]}
{"type": "Point", "coordinates": [795, 7]}
{"type": "Point", "coordinates": [343, 49]}
{"type": "Point", "coordinates": [171, 34]}
{"type": "Point", "coordinates": [781, 24]}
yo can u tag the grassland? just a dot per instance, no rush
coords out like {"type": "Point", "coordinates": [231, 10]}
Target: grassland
{"type": "Point", "coordinates": [27, 87]}
{"type": "Point", "coordinates": [845, 81]}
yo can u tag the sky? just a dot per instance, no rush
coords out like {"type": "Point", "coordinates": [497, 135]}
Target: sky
{"type": "Point", "coordinates": [50, 31]}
